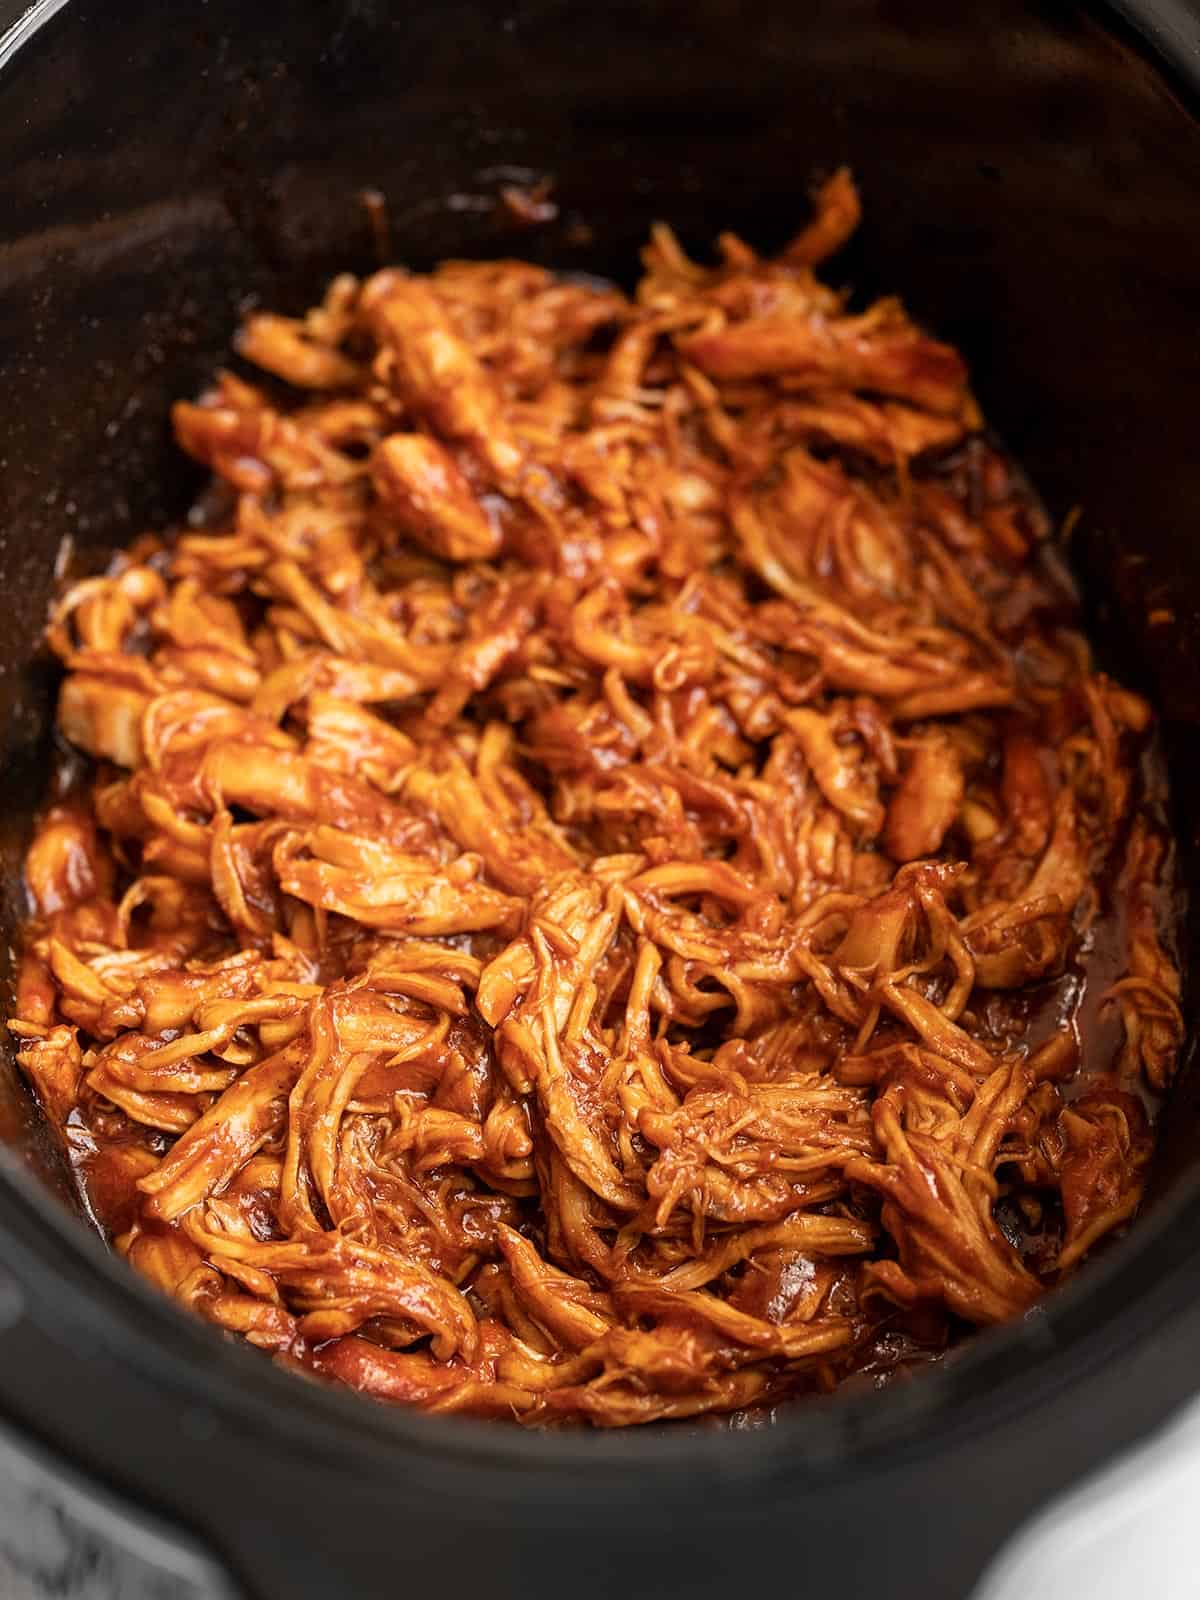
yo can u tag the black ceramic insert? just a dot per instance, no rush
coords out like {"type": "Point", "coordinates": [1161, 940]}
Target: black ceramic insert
{"type": "Point", "coordinates": [1031, 177]}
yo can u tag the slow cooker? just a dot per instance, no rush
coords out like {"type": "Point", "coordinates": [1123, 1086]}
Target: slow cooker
{"type": "Point", "coordinates": [1031, 175]}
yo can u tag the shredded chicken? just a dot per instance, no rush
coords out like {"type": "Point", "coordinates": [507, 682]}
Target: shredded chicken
{"type": "Point", "coordinates": [594, 844]}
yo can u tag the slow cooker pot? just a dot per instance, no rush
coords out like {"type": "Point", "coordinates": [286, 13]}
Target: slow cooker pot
{"type": "Point", "coordinates": [1031, 175]}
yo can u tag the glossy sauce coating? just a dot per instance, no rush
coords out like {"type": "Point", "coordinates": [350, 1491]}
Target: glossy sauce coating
{"type": "Point", "coordinates": [609, 887]}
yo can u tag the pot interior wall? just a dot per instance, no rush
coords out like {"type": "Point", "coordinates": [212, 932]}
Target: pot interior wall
{"type": "Point", "coordinates": [1029, 185]}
